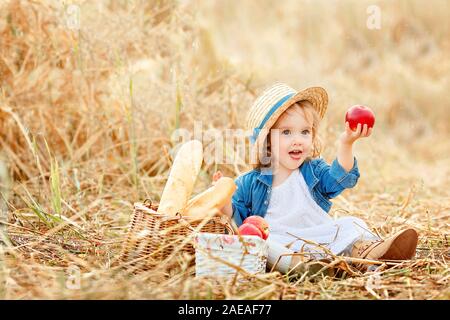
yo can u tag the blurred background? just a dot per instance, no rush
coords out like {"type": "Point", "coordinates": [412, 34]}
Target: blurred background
{"type": "Point", "coordinates": [92, 91]}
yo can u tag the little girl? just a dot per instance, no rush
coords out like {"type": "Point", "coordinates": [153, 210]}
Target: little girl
{"type": "Point", "coordinates": [291, 187]}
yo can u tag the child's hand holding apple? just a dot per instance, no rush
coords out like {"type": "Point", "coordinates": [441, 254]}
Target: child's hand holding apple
{"type": "Point", "coordinates": [359, 121]}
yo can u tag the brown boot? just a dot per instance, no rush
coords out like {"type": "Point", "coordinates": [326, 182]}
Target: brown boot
{"type": "Point", "coordinates": [401, 246]}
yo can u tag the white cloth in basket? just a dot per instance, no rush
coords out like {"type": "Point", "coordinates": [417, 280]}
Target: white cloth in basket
{"type": "Point", "coordinates": [292, 213]}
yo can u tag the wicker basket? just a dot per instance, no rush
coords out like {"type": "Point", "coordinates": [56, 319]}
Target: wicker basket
{"type": "Point", "coordinates": [223, 255]}
{"type": "Point", "coordinates": [153, 237]}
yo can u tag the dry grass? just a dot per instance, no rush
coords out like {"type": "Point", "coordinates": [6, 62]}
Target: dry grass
{"type": "Point", "coordinates": [87, 117]}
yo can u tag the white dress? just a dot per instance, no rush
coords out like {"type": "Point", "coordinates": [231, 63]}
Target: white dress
{"type": "Point", "coordinates": [293, 215]}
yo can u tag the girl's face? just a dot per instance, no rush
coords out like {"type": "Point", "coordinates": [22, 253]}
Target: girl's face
{"type": "Point", "coordinates": [291, 139]}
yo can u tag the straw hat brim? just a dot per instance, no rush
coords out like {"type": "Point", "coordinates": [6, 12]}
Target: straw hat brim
{"type": "Point", "coordinates": [316, 95]}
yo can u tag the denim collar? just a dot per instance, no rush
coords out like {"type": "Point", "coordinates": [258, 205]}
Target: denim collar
{"type": "Point", "coordinates": [265, 175]}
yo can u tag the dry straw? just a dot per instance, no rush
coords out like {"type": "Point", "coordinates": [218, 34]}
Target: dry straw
{"type": "Point", "coordinates": [57, 104]}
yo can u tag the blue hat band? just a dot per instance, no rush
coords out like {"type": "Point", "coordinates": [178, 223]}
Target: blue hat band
{"type": "Point", "coordinates": [272, 110]}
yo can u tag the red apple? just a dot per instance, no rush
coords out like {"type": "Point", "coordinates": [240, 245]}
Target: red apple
{"type": "Point", "coordinates": [260, 223]}
{"type": "Point", "coordinates": [248, 229]}
{"type": "Point", "coordinates": [360, 114]}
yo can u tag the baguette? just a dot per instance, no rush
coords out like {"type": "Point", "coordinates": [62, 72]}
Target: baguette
{"type": "Point", "coordinates": [182, 176]}
{"type": "Point", "coordinates": [210, 201]}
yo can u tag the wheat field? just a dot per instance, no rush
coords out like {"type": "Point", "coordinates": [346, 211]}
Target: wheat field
{"type": "Point", "coordinates": [92, 92]}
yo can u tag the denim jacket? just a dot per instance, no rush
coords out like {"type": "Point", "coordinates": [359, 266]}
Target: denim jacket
{"type": "Point", "coordinates": [324, 182]}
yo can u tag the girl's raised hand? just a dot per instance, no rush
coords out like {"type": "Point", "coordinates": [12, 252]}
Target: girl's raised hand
{"type": "Point", "coordinates": [349, 136]}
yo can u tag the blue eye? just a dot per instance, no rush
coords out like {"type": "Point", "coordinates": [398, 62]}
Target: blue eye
{"type": "Point", "coordinates": [305, 132]}
{"type": "Point", "coordinates": [286, 132]}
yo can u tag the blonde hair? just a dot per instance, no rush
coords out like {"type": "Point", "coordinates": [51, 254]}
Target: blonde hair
{"type": "Point", "coordinates": [312, 117]}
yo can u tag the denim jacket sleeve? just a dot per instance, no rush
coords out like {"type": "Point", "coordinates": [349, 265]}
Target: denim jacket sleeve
{"type": "Point", "coordinates": [238, 202]}
{"type": "Point", "coordinates": [334, 179]}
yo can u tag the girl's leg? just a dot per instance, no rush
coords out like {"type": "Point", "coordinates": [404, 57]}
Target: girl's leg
{"type": "Point", "coordinates": [289, 261]}
{"type": "Point", "coordinates": [357, 230]}
{"type": "Point", "coordinates": [275, 256]}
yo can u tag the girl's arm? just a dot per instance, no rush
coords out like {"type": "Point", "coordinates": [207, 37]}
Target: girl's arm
{"type": "Point", "coordinates": [345, 148]}
{"type": "Point", "coordinates": [343, 173]}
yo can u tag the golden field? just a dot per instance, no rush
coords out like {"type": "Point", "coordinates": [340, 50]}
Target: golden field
{"type": "Point", "coordinates": [92, 92]}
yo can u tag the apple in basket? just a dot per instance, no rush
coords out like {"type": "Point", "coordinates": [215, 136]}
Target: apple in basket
{"type": "Point", "coordinates": [248, 229]}
{"type": "Point", "coordinates": [260, 223]}
{"type": "Point", "coordinates": [359, 114]}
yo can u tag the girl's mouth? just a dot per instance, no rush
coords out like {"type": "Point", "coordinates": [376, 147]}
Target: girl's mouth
{"type": "Point", "coordinates": [296, 155]}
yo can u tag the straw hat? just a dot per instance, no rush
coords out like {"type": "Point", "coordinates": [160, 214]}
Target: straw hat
{"type": "Point", "coordinates": [271, 104]}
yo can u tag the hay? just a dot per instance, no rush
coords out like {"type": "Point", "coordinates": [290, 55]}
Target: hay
{"type": "Point", "coordinates": [101, 101]}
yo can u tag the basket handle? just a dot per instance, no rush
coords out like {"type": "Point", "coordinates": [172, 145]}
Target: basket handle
{"type": "Point", "coordinates": [222, 220]}
{"type": "Point", "coordinates": [228, 225]}
{"type": "Point", "coordinates": [229, 228]}
{"type": "Point", "coordinates": [184, 222]}
{"type": "Point", "coordinates": [147, 202]}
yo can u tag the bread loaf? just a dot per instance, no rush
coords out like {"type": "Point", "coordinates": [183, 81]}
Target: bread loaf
{"type": "Point", "coordinates": [211, 200]}
{"type": "Point", "coordinates": [182, 177]}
